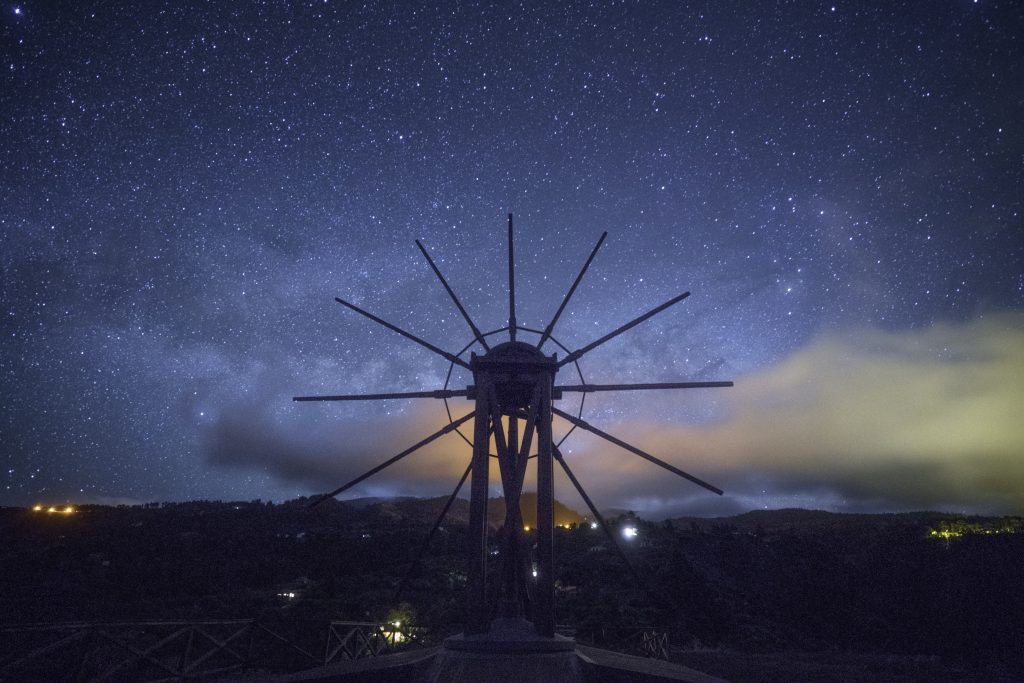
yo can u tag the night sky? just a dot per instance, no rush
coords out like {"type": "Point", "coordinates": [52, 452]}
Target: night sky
{"type": "Point", "coordinates": [187, 186]}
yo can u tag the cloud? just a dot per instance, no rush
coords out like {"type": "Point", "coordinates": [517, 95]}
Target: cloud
{"type": "Point", "coordinates": [928, 418]}
{"type": "Point", "coordinates": [861, 419]}
{"type": "Point", "coordinates": [319, 452]}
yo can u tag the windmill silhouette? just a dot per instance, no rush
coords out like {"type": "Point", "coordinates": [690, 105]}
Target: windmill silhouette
{"type": "Point", "coordinates": [513, 392]}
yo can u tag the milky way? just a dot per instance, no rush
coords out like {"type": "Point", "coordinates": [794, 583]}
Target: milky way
{"type": "Point", "coordinates": [186, 187]}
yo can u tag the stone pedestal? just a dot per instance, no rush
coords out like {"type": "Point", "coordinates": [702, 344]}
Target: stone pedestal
{"type": "Point", "coordinates": [509, 636]}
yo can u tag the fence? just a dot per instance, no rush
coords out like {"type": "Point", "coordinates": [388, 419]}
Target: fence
{"type": "Point", "coordinates": [186, 650]}
{"type": "Point", "coordinates": [642, 642]}
{"type": "Point", "coordinates": [190, 650]}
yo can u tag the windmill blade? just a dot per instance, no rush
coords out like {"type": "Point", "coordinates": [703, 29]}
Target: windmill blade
{"type": "Point", "coordinates": [597, 515]}
{"type": "Point", "coordinates": [511, 285]}
{"type": "Point", "coordinates": [438, 393]}
{"type": "Point", "coordinates": [455, 299]}
{"type": "Point", "coordinates": [408, 335]}
{"type": "Point", "coordinates": [433, 530]}
{"type": "Point", "coordinates": [583, 424]}
{"type": "Point", "coordinates": [551, 325]}
{"type": "Point", "coordinates": [575, 355]}
{"type": "Point", "coordinates": [586, 388]}
{"type": "Point", "coordinates": [450, 427]}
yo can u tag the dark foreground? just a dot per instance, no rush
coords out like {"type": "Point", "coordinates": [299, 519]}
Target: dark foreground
{"type": "Point", "coordinates": [782, 595]}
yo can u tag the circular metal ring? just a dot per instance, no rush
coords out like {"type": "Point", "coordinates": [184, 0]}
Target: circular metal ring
{"type": "Point", "coordinates": [451, 368]}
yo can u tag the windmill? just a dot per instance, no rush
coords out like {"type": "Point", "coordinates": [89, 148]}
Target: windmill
{"type": "Point", "coordinates": [514, 391]}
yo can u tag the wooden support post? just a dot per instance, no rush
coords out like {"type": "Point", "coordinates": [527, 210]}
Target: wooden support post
{"type": "Point", "coordinates": [477, 575]}
{"type": "Point", "coordinates": [511, 605]}
{"type": "Point", "coordinates": [544, 611]}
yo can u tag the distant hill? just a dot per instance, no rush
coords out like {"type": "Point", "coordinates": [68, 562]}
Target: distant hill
{"type": "Point", "coordinates": [564, 515]}
{"type": "Point", "coordinates": [809, 521]}
{"type": "Point", "coordinates": [362, 503]}
{"type": "Point", "coordinates": [426, 510]}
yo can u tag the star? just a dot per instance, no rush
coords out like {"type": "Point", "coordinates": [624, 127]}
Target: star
{"type": "Point", "coordinates": [180, 210]}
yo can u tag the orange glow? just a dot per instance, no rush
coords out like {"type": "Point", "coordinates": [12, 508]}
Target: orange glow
{"type": "Point", "coordinates": [53, 509]}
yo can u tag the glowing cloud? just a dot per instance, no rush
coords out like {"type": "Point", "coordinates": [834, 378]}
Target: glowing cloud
{"type": "Point", "coordinates": [928, 418]}
{"type": "Point", "coordinates": [857, 419]}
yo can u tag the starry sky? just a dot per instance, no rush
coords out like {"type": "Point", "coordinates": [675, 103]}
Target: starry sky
{"type": "Point", "coordinates": [186, 186]}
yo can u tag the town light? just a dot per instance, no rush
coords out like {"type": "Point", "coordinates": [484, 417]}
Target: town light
{"type": "Point", "coordinates": [629, 531]}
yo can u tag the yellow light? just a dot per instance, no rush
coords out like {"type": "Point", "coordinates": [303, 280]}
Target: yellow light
{"type": "Point", "coordinates": [37, 508]}
{"type": "Point", "coordinates": [52, 509]}
{"type": "Point", "coordinates": [68, 510]}
{"type": "Point", "coordinates": [526, 527]}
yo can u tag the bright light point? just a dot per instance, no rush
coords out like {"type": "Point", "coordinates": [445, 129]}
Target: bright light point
{"type": "Point", "coordinates": [52, 509]}
{"type": "Point", "coordinates": [37, 508]}
{"type": "Point", "coordinates": [526, 527]}
{"type": "Point", "coordinates": [629, 531]}
{"type": "Point", "coordinates": [593, 525]}
{"type": "Point", "coordinates": [535, 573]}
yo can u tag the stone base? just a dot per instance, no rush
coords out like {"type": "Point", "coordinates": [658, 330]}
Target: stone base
{"type": "Point", "coordinates": [511, 652]}
{"type": "Point", "coordinates": [509, 636]}
{"type": "Point", "coordinates": [453, 666]}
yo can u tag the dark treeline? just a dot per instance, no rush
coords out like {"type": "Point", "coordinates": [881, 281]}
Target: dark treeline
{"type": "Point", "coordinates": [922, 584]}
